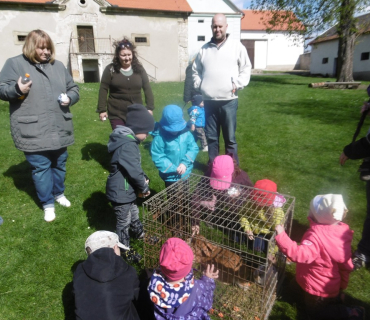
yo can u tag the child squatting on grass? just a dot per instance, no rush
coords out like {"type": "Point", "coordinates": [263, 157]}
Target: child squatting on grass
{"type": "Point", "coordinates": [173, 148]}
{"type": "Point", "coordinates": [104, 284]}
{"type": "Point", "coordinates": [198, 121]}
{"type": "Point", "coordinates": [323, 259]}
{"type": "Point", "coordinates": [127, 178]}
{"type": "Point", "coordinates": [173, 290]}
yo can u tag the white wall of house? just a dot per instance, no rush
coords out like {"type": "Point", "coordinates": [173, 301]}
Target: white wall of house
{"type": "Point", "coordinates": [323, 57]}
{"type": "Point", "coordinates": [168, 36]}
{"type": "Point", "coordinates": [274, 50]}
{"type": "Point", "coordinates": [361, 68]}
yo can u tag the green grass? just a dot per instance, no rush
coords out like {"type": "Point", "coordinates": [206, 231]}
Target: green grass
{"type": "Point", "coordinates": [286, 132]}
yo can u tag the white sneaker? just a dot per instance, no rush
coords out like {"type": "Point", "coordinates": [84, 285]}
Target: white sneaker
{"type": "Point", "coordinates": [49, 214]}
{"type": "Point", "coordinates": [63, 201]}
{"type": "Point", "coordinates": [205, 149]}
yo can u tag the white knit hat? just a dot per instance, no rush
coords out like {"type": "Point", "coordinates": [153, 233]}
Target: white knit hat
{"type": "Point", "coordinates": [328, 208]}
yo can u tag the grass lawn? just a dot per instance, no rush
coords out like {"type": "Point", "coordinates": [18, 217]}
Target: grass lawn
{"type": "Point", "coordinates": [287, 132]}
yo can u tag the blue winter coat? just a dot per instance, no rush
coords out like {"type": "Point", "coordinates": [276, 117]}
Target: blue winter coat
{"type": "Point", "coordinates": [168, 151]}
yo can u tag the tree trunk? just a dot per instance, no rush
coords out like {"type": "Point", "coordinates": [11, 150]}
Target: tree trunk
{"type": "Point", "coordinates": [347, 37]}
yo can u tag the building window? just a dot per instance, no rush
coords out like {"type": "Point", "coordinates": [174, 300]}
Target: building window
{"type": "Point", "coordinates": [201, 38]}
{"type": "Point", "coordinates": [200, 21]}
{"type": "Point", "coordinates": [19, 37]}
{"type": "Point", "coordinates": [140, 39]}
{"type": "Point", "coordinates": [325, 60]}
{"type": "Point", "coordinates": [365, 55]}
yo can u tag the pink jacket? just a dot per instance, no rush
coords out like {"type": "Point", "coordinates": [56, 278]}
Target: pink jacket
{"type": "Point", "coordinates": [323, 258]}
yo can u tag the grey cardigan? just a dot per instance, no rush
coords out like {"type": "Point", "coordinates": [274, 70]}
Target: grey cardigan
{"type": "Point", "coordinates": [38, 122]}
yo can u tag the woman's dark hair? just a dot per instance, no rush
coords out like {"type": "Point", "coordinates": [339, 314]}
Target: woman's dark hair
{"type": "Point", "coordinates": [125, 44]}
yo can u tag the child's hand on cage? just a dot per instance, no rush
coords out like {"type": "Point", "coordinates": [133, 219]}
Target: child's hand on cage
{"type": "Point", "coordinates": [250, 235]}
{"type": "Point", "coordinates": [279, 229]}
{"type": "Point", "coordinates": [143, 195]}
{"type": "Point", "coordinates": [210, 272]}
{"type": "Point", "coordinates": [181, 169]}
{"type": "Point", "coordinates": [195, 230]}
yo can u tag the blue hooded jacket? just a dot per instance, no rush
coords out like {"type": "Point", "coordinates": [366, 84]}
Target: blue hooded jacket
{"type": "Point", "coordinates": [169, 150]}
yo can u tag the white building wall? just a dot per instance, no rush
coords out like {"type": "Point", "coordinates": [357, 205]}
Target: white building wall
{"type": "Point", "coordinates": [280, 50]}
{"type": "Point", "coordinates": [321, 51]}
{"type": "Point", "coordinates": [361, 68]}
{"type": "Point", "coordinates": [167, 49]}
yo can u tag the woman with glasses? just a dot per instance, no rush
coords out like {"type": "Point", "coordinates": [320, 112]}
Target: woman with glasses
{"type": "Point", "coordinates": [40, 118]}
{"type": "Point", "coordinates": [122, 81]}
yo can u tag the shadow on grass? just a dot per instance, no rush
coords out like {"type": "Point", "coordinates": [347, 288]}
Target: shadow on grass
{"type": "Point", "coordinates": [143, 304]}
{"type": "Point", "coordinates": [98, 152]}
{"type": "Point", "coordinates": [200, 166]}
{"type": "Point", "coordinates": [99, 212]}
{"type": "Point", "coordinates": [22, 178]}
{"type": "Point", "coordinates": [68, 296]}
{"type": "Point", "coordinates": [280, 79]}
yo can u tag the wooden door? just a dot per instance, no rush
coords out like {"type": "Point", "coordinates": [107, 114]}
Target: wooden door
{"type": "Point", "coordinates": [85, 39]}
{"type": "Point", "coordinates": [249, 45]}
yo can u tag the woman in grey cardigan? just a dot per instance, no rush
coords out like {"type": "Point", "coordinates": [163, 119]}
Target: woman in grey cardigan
{"type": "Point", "coordinates": [40, 119]}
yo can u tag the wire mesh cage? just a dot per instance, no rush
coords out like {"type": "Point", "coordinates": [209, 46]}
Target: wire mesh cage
{"type": "Point", "coordinates": [234, 229]}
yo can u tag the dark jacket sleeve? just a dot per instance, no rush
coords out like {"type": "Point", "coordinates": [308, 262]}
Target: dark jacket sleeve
{"type": "Point", "coordinates": [358, 150]}
{"type": "Point", "coordinates": [149, 98]}
{"type": "Point", "coordinates": [103, 90]}
{"type": "Point", "coordinates": [129, 159]}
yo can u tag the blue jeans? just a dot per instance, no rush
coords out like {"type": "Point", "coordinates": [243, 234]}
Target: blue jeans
{"type": "Point", "coordinates": [364, 244]}
{"type": "Point", "coordinates": [221, 115]}
{"type": "Point", "coordinates": [48, 174]}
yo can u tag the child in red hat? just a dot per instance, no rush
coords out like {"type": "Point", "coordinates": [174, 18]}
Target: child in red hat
{"type": "Point", "coordinates": [267, 213]}
{"type": "Point", "coordinates": [173, 290]}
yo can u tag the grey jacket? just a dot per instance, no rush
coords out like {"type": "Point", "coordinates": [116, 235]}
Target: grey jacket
{"type": "Point", "coordinates": [126, 176]}
{"type": "Point", "coordinates": [38, 122]}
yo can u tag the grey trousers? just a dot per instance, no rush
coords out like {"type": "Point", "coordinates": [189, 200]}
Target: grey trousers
{"type": "Point", "coordinates": [200, 134]}
{"type": "Point", "coordinates": [127, 217]}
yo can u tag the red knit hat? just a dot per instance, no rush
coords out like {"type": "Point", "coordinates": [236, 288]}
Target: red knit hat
{"type": "Point", "coordinates": [263, 198]}
{"type": "Point", "coordinates": [176, 259]}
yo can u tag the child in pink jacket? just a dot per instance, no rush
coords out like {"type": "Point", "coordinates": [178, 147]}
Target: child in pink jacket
{"type": "Point", "coordinates": [323, 259]}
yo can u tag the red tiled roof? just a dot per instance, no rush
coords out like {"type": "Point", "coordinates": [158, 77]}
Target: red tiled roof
{"type": "Point", "coordinates": [258, 20]}
{"type": "Point", "coordinates": [163, 5]}
{"type": "Point", "coordinates": [28, 1]}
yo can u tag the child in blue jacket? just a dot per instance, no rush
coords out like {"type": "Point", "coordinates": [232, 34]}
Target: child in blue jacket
{"type": "Point", "coordinates": [173, 148]}
{"type": "Point", "coordinates": [198, 121]}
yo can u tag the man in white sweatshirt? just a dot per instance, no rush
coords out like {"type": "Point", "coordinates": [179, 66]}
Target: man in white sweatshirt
{"type": "Point", "coordinates": [221, 68]}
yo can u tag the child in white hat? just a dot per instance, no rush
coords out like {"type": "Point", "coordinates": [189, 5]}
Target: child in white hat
{"type": "Point", "coordinates": [323, 259]}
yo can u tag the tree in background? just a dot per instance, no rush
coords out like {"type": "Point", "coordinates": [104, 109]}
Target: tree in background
{"type": "Point", "coordinates": [316, 16]}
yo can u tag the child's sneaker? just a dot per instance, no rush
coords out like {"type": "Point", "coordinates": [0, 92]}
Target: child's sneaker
{"type": "Point", "coordinates": [205, 149]}
{"type": "Point", "coordinates": [131, 255]}
{"type": "Point", "coordinates": [63, 201]}
{"type": "Point", "coordinates": [141, 235]}
{"type": "Point", "coordinates": [364, 169]}
{"type": "Point", "coordinates": [360, 260]}
{"type": "Point", "coordinates": [49, 214]}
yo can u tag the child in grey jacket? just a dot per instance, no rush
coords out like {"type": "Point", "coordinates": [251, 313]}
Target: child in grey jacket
{"type": "Point", "coordinates": [127, 179]}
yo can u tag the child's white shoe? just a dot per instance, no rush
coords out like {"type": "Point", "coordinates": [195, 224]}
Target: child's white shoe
{"type": "Point", "coordinates": [205, 149]}
{"type": "Point", "coordinates": [63, 201]}
{"type": "Point", "coordinates": [49, 214]}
